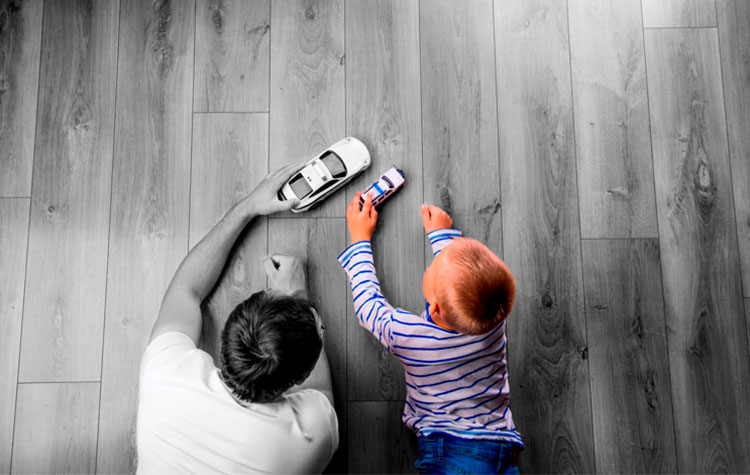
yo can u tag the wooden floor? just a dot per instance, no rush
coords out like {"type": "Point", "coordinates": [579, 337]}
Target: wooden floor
{"type": "Point", "coordinates": [601, 147]}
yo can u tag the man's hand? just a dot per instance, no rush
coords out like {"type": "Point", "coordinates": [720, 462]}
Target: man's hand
{"type": "Point", "coordinates": [361, 222]}
{"type": "Point", "coordinates": [286, 274]}
{"type": "Point", "coordinates": [434, 218]}
{"type": "Point", "coordinates": [264, 198]}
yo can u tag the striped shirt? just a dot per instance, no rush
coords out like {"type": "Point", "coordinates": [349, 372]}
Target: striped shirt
{"type": "Point", "coordinates": [455, 384]}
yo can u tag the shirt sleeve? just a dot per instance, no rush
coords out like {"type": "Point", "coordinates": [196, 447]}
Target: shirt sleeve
{"type": "Point", "coordinates": [315, 409]}
{"type": "Point", "coordinates": [440, 238]}
{"type": "Point", "coordinates": [163, 353]}
{"type": "Point", "coordinates": [373, 311]}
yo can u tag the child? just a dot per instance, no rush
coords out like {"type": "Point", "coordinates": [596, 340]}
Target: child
{"type": "Point", "coordinates": [458, 396]}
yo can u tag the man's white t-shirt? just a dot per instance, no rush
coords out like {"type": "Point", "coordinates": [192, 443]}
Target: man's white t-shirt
{"type": "Point", "coordinates": [188, 422]}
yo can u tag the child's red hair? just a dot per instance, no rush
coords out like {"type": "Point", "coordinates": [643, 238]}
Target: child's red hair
{"type": "Point", "coordinates": [475, 290]}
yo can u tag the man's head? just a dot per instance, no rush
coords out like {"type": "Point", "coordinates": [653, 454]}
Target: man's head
{"type": "Point", "coordinates": [270, 343]}
{"type": "Point", "coordinates": [468, 287]}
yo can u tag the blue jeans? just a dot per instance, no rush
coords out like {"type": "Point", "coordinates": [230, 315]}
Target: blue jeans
{"type": "Point", "coordinates": [443, 453]}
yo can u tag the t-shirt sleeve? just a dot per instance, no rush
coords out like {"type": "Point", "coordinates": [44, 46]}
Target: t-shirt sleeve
{"type": "Point", "coordinates": [164, 353]}
{"type": "Point", "coordinates": [319, 410]}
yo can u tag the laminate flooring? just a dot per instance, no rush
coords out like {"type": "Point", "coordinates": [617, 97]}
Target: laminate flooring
{"type": "Point", "coordinates": [601, 148]}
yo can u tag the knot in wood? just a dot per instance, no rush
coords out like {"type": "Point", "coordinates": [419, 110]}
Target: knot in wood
{"type": "Point", "coordinates": [310, 12]}
{"type": "Point", "coordinates": [217, 16]}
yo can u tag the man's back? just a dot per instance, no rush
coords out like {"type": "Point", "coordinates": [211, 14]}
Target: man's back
{"type": "Point", "coordinates": [188, 420]}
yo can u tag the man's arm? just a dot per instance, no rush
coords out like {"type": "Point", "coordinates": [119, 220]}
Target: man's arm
{"type": "Point", "coordinates": [201, 268]}
{"type": "Point", "coordinates": [286, 275]}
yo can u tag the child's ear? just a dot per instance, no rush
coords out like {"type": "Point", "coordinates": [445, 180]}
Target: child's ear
{"type": "Point", "coordinates": [434, 308]}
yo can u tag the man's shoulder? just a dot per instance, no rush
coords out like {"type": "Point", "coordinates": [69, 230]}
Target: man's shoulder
{"type": "Point", "coordinates": [169, 351]}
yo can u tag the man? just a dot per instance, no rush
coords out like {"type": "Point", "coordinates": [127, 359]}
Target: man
{"type": "Point", "coordinates": [269, 408]}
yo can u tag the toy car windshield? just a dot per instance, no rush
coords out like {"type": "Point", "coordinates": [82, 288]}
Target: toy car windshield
{"type": "Point", "coordinates": [300, 187]}
{"type": "Point", "coordinates": [334, 164]}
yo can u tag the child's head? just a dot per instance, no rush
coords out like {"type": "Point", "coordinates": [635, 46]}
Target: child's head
{"type": "Point", "coordinates": [468, 287]}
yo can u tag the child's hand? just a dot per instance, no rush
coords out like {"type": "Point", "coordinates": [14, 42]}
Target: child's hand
{"type": "Point", "coordinates": [361, 222]}
{"type": "Point", "coordinates": [434, 218]}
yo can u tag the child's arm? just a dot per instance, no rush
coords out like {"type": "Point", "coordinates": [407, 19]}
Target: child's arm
{"type": "Point", "coordinates": [437, 225]}
{"type": "Point", "coordinates": [373, 311]}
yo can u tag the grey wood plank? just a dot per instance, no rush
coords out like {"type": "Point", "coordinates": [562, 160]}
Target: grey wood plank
{"type": "Point", "coordinates": [150, 206]}
{"type": "Point", "coordinates": [232, 55]}
{"type": "Point", "coordinates": [14, 227]}
{"type": "Point", "coordinates": [307, 85]}
{"type": "Point", "coordinates": [679, 13]}
{"type": "Point", "coordinates": [700, 261]}
{"type": "Point", "coordinates": [56, 428]}
{"type": "Point", "coordinates": [20, 44]}
{"type": "Point", "coordinates": [318, 242]}
{"type": "Point", "coordinates": [630, 387]}
{"type": "Point", "coordinates": [65, 281]}
{"type": "Point", "coordinates": [734, 41]}
{"type": "Point", "coordinates": [546, 332]}
{"type": "Point", "coordinates": [613, 144]}
{"type": "Point", "coordinates": [383, 110]}
{"type": "Point", "coordinates": [230, 157]}
{"type": "Point", "coordinates": [379, 442]}
{"type": "Point", "coordinates": [461, 168]}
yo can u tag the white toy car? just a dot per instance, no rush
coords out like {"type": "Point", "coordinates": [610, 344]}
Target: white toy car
{"type": "Point", "coordinates": [388, 183]}
{"type": "Point", "coordinates": [326, 173]}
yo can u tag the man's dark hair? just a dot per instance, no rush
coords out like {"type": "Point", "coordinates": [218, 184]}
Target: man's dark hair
{"type": "Point", "coordinates": [269, 343]}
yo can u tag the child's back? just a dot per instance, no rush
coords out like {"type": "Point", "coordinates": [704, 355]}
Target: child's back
{"type": "Point", "coordinates": [457, 383]}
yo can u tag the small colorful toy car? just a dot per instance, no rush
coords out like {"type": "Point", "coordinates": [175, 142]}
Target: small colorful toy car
{"type": "Point", "coordinates": [388, 183]}
{"type": "Point", "coordinates": [326, 173]}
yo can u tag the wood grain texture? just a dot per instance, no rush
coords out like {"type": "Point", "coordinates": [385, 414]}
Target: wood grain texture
{"type": "Point", "coordinates": [150, 206]}
{"type": "Point", "coordinates": [630, 387]}
{"type": "Point", "coordinates": [546, 333]}
{"type": "Point", "coordinates": [232, 55]}
{"type": "Point", "coordinates": [734, 41]}
{"type": "Point", "coordinates": [14, 227]}
{"type": "Point", "coordinates": [65, 282]}
{"type": "Point", "coordinates": [379, 442]}
{"type": "Point", "coordinates": [56, 428]}
{"type": "Point", "coordinates": [615, 175]}
{"type": "Point", "coordinates": [700, 262]}
{"type": "Point", "coordinates": [307, 84]}
{"type": "Point", "coordinates": [383, 110]}
{"type": "Point", "coordinates": [230, 157]}
{"type": "Point", "coordinates": [20, 43]}
{"type": "Point", "coordinates": [460, 117]}
{"type": "Point", "coordinates": [678, 13]}
{"type": "Point", "coordinates": [318, 242]}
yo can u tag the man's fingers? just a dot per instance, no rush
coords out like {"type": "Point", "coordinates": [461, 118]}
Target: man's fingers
{"type": "Point", "coordinates": [269, 264]}
{"type": "Point", "coordinates": [284, 173]}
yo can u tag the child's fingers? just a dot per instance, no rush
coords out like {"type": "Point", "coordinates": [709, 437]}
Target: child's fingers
{"type": "Point", "coordinates": [425, 213]}
{"type": "Point", "coordinates": [367, 207]}
{"type": "Point", "coordinates": [354, 203]}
